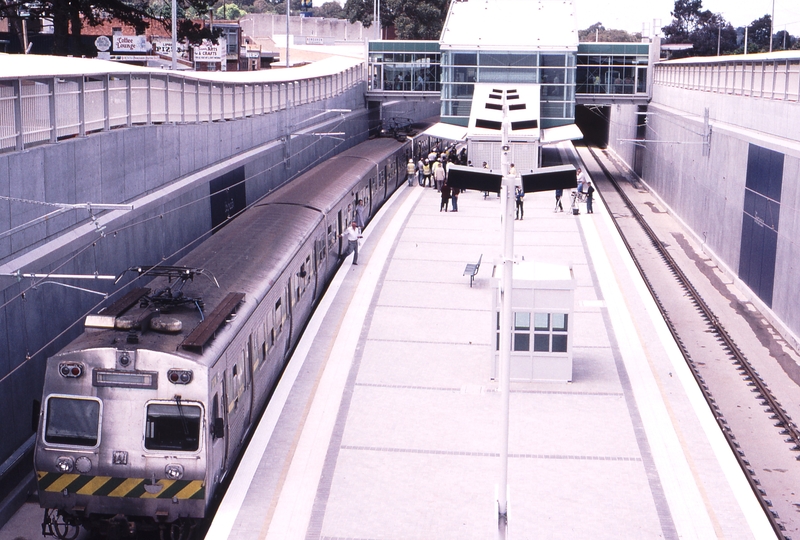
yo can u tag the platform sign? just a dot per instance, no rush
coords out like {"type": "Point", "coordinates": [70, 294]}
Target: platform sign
{"type": "Point", "coordinates": [546, 179]}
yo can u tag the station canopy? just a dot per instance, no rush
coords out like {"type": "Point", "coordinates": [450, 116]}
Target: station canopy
{"type": "Point", "coordinates": [511, 25]}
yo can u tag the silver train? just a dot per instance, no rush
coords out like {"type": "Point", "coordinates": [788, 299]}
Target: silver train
{"type": "Point", "coordinates": [145, 413]}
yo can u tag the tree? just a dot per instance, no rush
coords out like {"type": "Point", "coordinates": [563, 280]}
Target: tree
{"type": "Point", "coordinates": [329, 10]}
{"type": "Point", "coordinates": [71, 16]}
{"type": "Point", "coordinates": [598, 32]}
{"type": "Point", "coordinates": [784, 40]}
{"type": "Point", "coordinates": [686, 14]}
{"type": "Point", "coordinates": [709, 33]}
{"type": "Point", "coordinates": [758, 35]}
{"type": "Point", "coordinates": [230, 12]}
{"type": "Point", "coordinates": [412, 19]}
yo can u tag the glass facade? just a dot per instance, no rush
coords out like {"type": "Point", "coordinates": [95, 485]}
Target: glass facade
{"type": "Point", "coordinates": [554, 71]}
{"type": "Point", "coordinates": [612, 68]}
{"type": "Point", "coordinates": [404, 66]}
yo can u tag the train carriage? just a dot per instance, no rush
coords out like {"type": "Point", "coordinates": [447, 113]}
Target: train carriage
{"type": "Point", "coordinates": [144, 414]}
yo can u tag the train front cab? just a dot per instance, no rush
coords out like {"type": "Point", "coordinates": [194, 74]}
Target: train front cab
{"type": "Point", "coordinates": [122, 432]}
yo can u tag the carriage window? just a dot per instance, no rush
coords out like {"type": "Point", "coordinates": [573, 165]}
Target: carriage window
{"type": "Point", "coordinates": [172, 426]}
{"type": "Point", "coordinates": [73, 421]}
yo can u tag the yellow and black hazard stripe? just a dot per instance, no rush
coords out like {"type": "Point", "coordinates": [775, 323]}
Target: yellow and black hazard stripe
{"type": "Point", "coordinates": [110, 486]}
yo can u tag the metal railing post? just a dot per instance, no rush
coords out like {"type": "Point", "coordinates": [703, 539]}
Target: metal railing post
{"type": "Point", "coordinates": [51, 102]}
{"type": "Point", "coordinates": [167, 118]}
{"type": "Point", "coordinates": [17, 85]}
{"type": "Point", "coordinates": [107, 103]}
{"type": "Point", "coordinates": [82, 106]}
{"type": "Point", "coordinates": [129, 101]}
{"type": "Point", "coordinates": [149, 100]}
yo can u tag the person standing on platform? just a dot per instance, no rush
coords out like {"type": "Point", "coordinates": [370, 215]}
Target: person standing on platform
{"type": "Point", "coordinates": [360, 214]}
{"type": "Point", "coordinates": [351, 234]}
{"type": "Point", "coordinates": [559, 194]}
{"type": "Point", "coordinates": [426, 173]}
{"type": "Point", "coordinates": [439, 175]}
{"type": "Point", "coordinates": [454, 199]}
{"type": "Point", "coordinates": [420, 164]}
{"type": "Point", "coordinates": [519, 196]}
{"type": "Point", "coordinates": [445, 197]}
{"type": "Point", "coordinates": [411, 170]}
{"type": "Point", "coordinates": [589, 193]}
{"type": "Point", "coordinates": [581, 180]}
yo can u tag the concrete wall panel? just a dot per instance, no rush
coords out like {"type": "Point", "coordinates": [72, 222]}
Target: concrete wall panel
{"type": "Point", "coordinates": [93, 159]}
{"type": "Point", "coordinates": [153, 156]}
{"type": "Point", "coordinates": [787, 267]}
{"type": "Point", "coordinates": [60, 185]}
{"type": "Point", "coordinates": [623, 126]}
{"type": "Point", "coordinates": [708, 192]}
{"type": "Point", "coordinates": [171, 143]}
{"type": "Point", "coordinates": [27, 171]}
{"type": "Point", "coordinates": [185, 153]}
{"type": "Point", "coordinates": [134, 165]}
{"type": "Point", "coordinates": [5, 209]}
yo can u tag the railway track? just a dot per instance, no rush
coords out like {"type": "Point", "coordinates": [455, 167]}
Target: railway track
{"type": "Point", "coordinates": [757, 427]}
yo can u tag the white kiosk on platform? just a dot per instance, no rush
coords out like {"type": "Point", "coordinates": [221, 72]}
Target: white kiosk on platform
{"type": "Point", "coordinates": [541, 324]}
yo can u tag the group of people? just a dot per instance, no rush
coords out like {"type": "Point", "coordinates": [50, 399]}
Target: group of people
{"type": "Point", "coordinates": [431, 171]}
{"type": "Point", "coordinates": [584, 189]}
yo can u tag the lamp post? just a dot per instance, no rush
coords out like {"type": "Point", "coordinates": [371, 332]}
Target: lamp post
{"type": "Point", "coordinates": [174, 35]}
{"type": "Point", "coordinates": [506, 287]}
{"type": "Point", "coordinates": [771, 25]}
{"type": "Point", "coordinates": [287, 32]}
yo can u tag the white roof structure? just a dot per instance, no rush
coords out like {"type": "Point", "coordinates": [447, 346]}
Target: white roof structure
{"type": "Point", "coordinates": [486, 115]}
{"type": "Point", "coordinates": [511, 25]}
{"type": "Point", "coordinates": [37, 66]}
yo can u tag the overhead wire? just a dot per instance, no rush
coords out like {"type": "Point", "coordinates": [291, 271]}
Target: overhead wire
{"type": "Point", "coordinates": [113, 234]}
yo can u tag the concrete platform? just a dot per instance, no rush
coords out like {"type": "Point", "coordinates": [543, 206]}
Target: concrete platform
{"type": "Point", "coordinates": [387, 424]}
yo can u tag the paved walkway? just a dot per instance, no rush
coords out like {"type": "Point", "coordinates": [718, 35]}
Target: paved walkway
{"type": "Point", "coordinates": [400, 420]}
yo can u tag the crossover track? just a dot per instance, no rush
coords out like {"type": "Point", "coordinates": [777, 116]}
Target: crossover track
{"type": "Point", "coordinates": [727, 346]}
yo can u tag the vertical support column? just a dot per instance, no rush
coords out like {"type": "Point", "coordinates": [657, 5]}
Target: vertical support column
{"type": "Point", "coordinates": [17, 85]}
{"type": "Point", "coordinates": [129, 101]}
{"type": "Point", "coordinates": [51, 102]}
{"type": "Point", "coordinates": [166, 99]}
{"type": "Point", "coordinates": [82, 106]}
{"type": "Point", "coordinates": [149, 100]}
{"type": "Point", "coordinates": [197, 101]}
{"type": "Point", "coordinates": [222, 101]}
{"type": "Point", "coordinates": [183, 100]}
{"type": "Point", "coordinates": [107, 102]}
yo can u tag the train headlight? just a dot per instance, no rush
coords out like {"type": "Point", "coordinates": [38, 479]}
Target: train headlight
{"type": "Point", "coordinates": [174, 471]}
{"type": "Point", "coordinates": [179, 376]}
{"type": "Point", "coordinates": [83, 465]}
{"type": "Point", "coordinates": [65, 464]}
{"type": "Point", "coordinates": [70, 370]}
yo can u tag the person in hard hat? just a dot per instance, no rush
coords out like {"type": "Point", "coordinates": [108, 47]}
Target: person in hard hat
{"type": "Point", "coordinates": [411, 169]}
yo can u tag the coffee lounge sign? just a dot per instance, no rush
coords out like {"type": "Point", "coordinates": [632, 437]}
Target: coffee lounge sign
{"type": "Point", "coordinates": [136, 44]}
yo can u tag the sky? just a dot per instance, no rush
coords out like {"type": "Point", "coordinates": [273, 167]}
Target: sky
{"type": "Point", "coordinates": [630, 14]}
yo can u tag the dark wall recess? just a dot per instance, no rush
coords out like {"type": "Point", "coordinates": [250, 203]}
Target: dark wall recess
{"type": "Point", "coordinates": [760, 218]}
{"type": "Point", "coordinates": [228, 196]}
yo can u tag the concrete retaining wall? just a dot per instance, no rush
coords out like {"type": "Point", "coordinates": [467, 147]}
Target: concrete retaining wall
{"type": "Point", "coordinates": [165, 171]}
{"type": "Point", "coordinates": [707, 192]}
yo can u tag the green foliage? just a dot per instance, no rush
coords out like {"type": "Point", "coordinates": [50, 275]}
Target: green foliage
{"type": "Point", "coordinates": [710, 33]}
{"type": "Point", "coordinates": [412, 19]}
{"type": "Point", "coordinates": [329, 10]}
{"type": "Point", "coordinates": [598, 32]}
{"type": "Point", "coordinates": [230, 12]}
